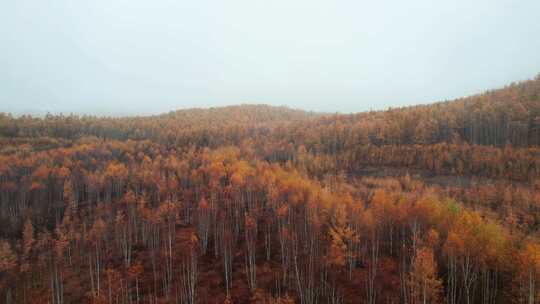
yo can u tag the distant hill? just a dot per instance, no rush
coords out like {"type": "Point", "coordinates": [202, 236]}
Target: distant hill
{"type": "Point", "coordinates": [510, 115]}
{"type": "Point", "coordinates": [144, 127]}
{"type": "Point", "coordinates": [245, 113]}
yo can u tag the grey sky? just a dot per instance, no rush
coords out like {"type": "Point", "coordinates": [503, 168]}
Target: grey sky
{"type": "Point", "coordinates": [131, 56]}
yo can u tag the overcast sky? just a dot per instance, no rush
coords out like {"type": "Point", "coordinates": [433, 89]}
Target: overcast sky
{"type": "Point", "coordinates": [144, 57]}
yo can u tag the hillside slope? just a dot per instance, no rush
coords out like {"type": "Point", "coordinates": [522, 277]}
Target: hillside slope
{"type": "Point", "coordinates": [510, 115]}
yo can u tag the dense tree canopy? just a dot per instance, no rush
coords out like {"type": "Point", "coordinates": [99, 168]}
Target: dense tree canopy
{"type": "Point", "coordinates": [426, 204]}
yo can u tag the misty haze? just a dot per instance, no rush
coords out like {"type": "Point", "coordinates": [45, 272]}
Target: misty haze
{"type": "Point", "coordinates": [270, 152]}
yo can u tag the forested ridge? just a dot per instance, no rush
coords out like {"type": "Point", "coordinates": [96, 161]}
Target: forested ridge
{"type": "Point", "coordinates": [434, 203]}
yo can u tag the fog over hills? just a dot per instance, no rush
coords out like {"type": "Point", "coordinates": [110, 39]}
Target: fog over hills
{"type": "Point", "coordinates": [119, 58]}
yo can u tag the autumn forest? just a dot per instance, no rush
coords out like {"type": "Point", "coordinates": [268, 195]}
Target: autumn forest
{"type": "Point", "coordinates": [435, 203]}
